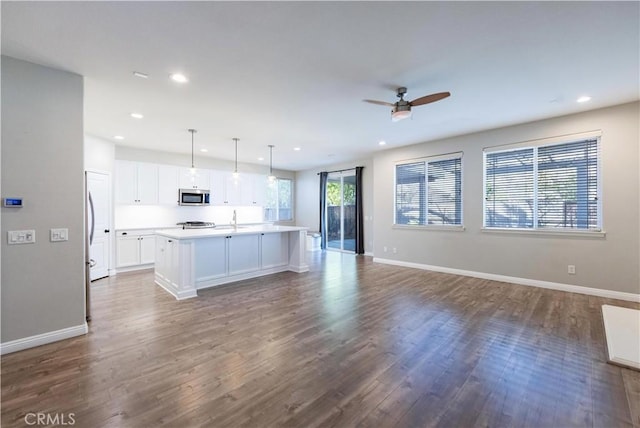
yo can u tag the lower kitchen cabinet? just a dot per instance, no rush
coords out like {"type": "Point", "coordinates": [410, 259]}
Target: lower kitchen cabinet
{"type": "Point", "coordinates": [135, 249]}
{"type": "Point", "coordinates": [244, 254]}
{"type": "Point", "coordinates": [275, 250]}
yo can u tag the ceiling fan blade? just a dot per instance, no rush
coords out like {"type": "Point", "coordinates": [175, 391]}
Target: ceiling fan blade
{"type": "Point", "coordinates": [429, 98]}
{"type": "Point", "coordinates": [381, 103]}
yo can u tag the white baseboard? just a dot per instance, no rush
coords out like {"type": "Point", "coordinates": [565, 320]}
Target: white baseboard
{"type": "Point", "coordinates": [631, 297]}
{"type": "Point", "coordinates": [368, 253]}
{"type": "Point", "coordinates": [43, 339]}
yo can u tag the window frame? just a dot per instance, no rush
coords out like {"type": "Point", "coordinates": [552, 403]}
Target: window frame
{"type": "Point", "coordinates": [598, 231]}
{"type": "Point", "coordinates": [276, 183]}
{"type": "Point", "coordinates": [427, 160]}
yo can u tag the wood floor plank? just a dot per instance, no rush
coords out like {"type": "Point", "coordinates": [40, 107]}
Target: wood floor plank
{"type": "Point", "coordinates": [350, 343]}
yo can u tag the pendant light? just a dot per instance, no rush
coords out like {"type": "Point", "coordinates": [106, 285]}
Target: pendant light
{"type": "Point", "coordinates": [235, 171]}
{"type": "Point", "coordinates": [193, 168]}
{"type": "Point", "coordinates": [271, 176]}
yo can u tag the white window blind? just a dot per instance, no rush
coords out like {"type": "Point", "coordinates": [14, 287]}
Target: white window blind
{"type": "Point", "coordinates": [553, 186]}
{"type": "Point", "coordinates": [429, 191]}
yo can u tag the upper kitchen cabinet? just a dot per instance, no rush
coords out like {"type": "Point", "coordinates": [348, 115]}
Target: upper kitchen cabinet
{"type": "Point", "coordinates": [168, 184]}
{"type": "Point", "coordinates": [136, 183]}
{"type": "Point", "coordinates": [258, 187]}
{"type": "Point", "coordinates": [225, 190]}
{"type": "Point", "coordinates": [199, 179]}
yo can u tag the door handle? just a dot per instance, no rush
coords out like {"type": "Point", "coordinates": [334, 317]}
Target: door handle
{"type": "Point", "coordinates": [92, 263]}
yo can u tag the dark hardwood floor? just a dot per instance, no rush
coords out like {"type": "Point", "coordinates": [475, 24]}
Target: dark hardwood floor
{"type": "Point", "coordinates": [351, 343]}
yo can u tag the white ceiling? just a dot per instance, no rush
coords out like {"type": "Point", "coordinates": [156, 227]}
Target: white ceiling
{"type": "Point", "coordinates": [294, 74]}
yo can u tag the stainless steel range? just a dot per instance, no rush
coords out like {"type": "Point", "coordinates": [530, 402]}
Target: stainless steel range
{"type": "Point", "coordinates": [196, 224]}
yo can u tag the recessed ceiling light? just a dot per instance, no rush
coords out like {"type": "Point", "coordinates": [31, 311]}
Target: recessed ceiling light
{"type": "Point", "coordinates": [118, 137]}
{"type": "Point", "coordinates": [141, 75]}
{"type": "Point", "coordinates": [179, 77]}
{"type": "Point", "coordinates": [260, 159]}
{"type": "Point", "coordinates": [137, 115]}
{"type": "Point", "coordinates": [382, 143]}
{"type": "Point", "coordinates": [204, 150]}
{"type": "Point", "coordinates": [297, 149]}
{"type": "Point", "coordinates": [583, 99]}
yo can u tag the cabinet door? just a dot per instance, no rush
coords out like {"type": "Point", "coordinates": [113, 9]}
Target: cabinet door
{"type": "Point", "coordinates": [217, 188]}
{"type": "Point", "coordinates": [147, 249]}
{"type": "Point", "coordinates": [203, 179]}
{"type": "Point", "coordinates": [210, 258]}
{"type": "Point", "coordinates": [168, 185]}
{"type": "Point", "coordinates": [127, 251]}
{"type": "Point", "coordinates": [259, 190]}
{"type": "Point", "coordinates": [126, 186]}
{"type": "Point", "coordinates": [199, 179]}
{"type": "Point", "coordinates": [244, 254]}
{"type": "Point", "coordinates": [275, 250]}
{"type": "Point", "coordinates": [147, 183]}
{"type": "Point", "coordinates": [233, 190]}
{"type": "Point", "coordinates": [161, 261]}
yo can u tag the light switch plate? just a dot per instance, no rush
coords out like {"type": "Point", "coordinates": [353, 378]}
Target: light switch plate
{"type": "Point", "coordinates": [58, 235]}
{"type": "Point", "coordinates": [16, 237]}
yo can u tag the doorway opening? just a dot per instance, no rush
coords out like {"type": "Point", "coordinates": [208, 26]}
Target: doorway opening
{"type": "Point", "coordinates": [341, 211]}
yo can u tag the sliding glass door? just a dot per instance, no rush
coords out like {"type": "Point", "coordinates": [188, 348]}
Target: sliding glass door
{"type": "Point", "coordinates": [341, 211]}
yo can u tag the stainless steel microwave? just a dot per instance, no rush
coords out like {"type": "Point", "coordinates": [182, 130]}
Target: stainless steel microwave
{"type": "Point", "coordinates": [193, 197]}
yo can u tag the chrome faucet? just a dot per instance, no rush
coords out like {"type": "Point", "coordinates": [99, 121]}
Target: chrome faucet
{"type": "Point", "coordinates": [234, 220]}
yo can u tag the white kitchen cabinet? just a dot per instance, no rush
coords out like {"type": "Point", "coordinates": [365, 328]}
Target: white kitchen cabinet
{"type": "Point", "coordinates": [225, 189]}
{"type": "Point", "coordinates": [166, 257]}
{"type": "Point", "coordinates": [199, 179]}
{"type": "Point", "coordinates": [275, 250]}
{"type": "Point", "coordinates": [243, 254]}
{"type": "Point", "coordinates": [211, 258]}
{"type": "Point", "coordinates": [135, 249]}
{"type": "Point", "coordinates": [168, 184]}
{"type": "Point", "coordinates": [246, 190]}
{"type": "Point", "coordinates": [259, 190]}
{"type": "Point", "coordinates": [136, 183]}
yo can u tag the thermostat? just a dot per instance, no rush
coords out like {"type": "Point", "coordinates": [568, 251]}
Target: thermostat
{"type": "Point", "coordinates": [13, 202]}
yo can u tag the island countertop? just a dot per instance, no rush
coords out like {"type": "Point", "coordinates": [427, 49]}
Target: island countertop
{"type": "Point", "coordinates": [225, 231]}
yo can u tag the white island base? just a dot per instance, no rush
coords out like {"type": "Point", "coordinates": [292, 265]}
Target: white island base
{"type": "Point", "coordinates": [192, 259]}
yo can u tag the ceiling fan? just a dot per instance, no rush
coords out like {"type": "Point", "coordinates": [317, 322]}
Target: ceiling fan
{"type": "Point", "coordinates": [402, 108]}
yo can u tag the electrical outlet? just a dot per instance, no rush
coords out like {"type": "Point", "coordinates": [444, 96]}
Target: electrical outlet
{"type": "Point", "coordinates": [395, 250]}
{"type": "Point", "coordinates": [384, 249]}
{"type": "Point", "coordinates": [571, 269]}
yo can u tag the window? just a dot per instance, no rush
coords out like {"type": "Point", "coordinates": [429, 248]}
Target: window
{"type": "Point", "coordinates": [279, 200]}
{"type": "Point", "coordinates": [429, 191]}
{"type": "Point", "coordinates": [552, 186]}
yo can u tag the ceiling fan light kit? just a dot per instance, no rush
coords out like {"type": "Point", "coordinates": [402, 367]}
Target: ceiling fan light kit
{"type": "Point", "coordinates": [402, 108]}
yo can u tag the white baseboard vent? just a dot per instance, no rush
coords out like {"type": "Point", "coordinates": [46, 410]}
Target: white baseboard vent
{"type": "Point", "coordinates": [630, 297]}
{"type": "Point", "coordinates": [43, 339]}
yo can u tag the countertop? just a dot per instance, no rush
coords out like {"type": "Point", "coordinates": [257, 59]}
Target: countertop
{"type": "Point", "coordinates": [225, 231]}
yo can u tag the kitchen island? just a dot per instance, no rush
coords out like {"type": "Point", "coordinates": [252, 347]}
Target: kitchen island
{"type": "Point", "coordinates": [191, 259]}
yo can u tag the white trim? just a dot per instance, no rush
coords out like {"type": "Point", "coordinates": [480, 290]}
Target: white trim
{"type": "Point", "coordinates": [560, 139]}
{"type": "Point", "coordinates": [440, 227]}
{"type": "Point", "coordinates": [171, 289]}
{"type": "Point", "coordinates": [565, 233]}
{"type": "Point", "coordinates": [368, 253]}
{"type": "Point", "coordinates": [631, 297]}
{"type": "Point", "coordinates": [43, 339]}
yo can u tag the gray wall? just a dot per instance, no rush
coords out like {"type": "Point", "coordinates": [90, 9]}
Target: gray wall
{"type": "Point", "coordinates": [42, 161]}
{"type": "Point", "coordinates": [610, 263]}
{"type": "Point", "coordinates": [308, 197]}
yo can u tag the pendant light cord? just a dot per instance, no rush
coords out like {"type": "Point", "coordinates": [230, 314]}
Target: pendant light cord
{"type": "Point", "coordinates": [236, 141]}
{"type": "Point", "coordinates": [271, 159]}
{"type": "Point", "coordinates": [193, 131]}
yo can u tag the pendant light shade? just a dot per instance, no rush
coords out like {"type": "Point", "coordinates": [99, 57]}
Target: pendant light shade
{"type": "Point", "coordinates": [235, 171]}
{"type": "Point", "coordinates": [193, 168]}
{"type": "Point", "coordinates": [271, 176]}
